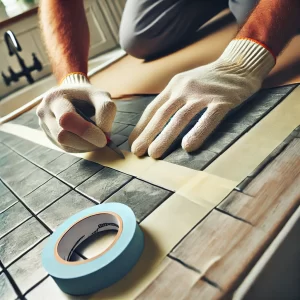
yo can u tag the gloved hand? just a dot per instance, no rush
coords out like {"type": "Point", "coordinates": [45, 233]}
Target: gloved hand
{"type": "Point", "coordinates": [64, 126]}
{"type": "Point", "coordinates": [219, 87]}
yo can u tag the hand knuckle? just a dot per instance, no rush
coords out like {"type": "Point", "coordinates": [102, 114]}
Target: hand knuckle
{"type": "Point", "coordinates": [40, 112]}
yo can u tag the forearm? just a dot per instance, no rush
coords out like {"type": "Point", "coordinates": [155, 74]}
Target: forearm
{"type": "Point", "coordinates": [273, 23]}
{"type": "Point", "coordinates": [66, 35]}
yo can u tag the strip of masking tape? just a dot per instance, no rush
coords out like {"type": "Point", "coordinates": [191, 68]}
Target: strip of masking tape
{"type": "Point", "coordinates": [167, 175]}
{"type": "Point", "coordinates": [253, 147]}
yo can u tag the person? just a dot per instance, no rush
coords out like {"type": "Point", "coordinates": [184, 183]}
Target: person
{"type": "Point", "coordinates": [149, 28]}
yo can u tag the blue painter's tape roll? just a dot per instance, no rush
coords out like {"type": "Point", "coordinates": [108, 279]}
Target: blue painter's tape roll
{"type": "Point", "coordinates": [88, 276]}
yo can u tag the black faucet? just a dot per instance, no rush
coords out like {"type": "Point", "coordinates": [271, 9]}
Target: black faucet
{"type": "Point", "coordinates": [13, 49]}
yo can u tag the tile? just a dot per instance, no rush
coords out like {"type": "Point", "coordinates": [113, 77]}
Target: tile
{"type": "Point", "coordinates": [24, 147]}
{"type": "Point", "coordinates": [42, 155]}
{"type": "Point", "coordinates": [238, 128]}
{"type": "Point", "coordinates": [30, 183]}
{"type": "Point", "coordinates": [45, 194]}
{"type": "Point", "coordinates": [64, 208]}
{"type": "Point", "coordinates": [7, 200]}
{"type": "Point", "coordinates": [127, 118]}
{"type": "Point", "coordinates": [4, 150]}
{"type": "Point", "coordinates": [3, 189]}
{"type": "Point", "coordinates": [62, 163]}
{"type": "Point", "coordinates": [79, 172]}
{"type": "Point", "coordinates": [15, 170]}
{"type": "Point", "coordinates": [118, 139]}
{"type": "Point", "coordinates": [127, 131]}
{"type": "Point", "coordinates": [103, 184]}
{"type": "Point", "coordinates": [220, 141]}
{"type": "Point", "coordinates": [20, 240]}
{"type": "Point", "coordinates": [6, 290]}
{"type": "Point", "coordinates": [28, 270]}
{"type": "Point", "coordinates": [9, 159]}
{"type": "Point", "coordinates": [28, 119]}
{"type": "Point", "coordinates": [195, 160]}
{"type": "Point", "coordinates": [137, 104]}
{"type": "Point", "coordinates": [258, 106]}
{"type": "Point", "coordinates": [141, 197]}
{"type": "Point", "coordinates": [125, 146]}
{"type": "Point", "coordinates": [12, 217]}
{"type": "Point", "coordinates": [117, 127]}
{"type": "Point", "coordinates": [9, 139]}
{"type": "Point", "coordinates": [49, 290]}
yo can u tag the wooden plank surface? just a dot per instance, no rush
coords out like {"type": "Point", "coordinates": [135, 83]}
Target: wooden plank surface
{"type": "Point", "coordinates": [178, 282]}
{"type": "Point", "coordinates": [227, 243]}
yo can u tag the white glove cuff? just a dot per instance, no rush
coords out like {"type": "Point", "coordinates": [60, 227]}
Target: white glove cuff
{"type": "Point", "coordinates": [250, 56]}
{"type": "Point", "coordinates": [75, 78]}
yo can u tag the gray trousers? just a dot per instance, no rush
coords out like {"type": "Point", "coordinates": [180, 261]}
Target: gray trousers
{"type": "Point", "coordinates": [151, 27]}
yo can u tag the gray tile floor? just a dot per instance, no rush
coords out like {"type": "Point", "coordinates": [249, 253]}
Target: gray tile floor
{"type": "Point", "coordinates": [40, 188]}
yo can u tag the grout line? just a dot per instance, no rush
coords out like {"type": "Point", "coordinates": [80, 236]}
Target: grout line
{"type": "Point", "coordinates": [56, 175]}
{"type": "Point", "coordinates": [210, 282]}
{"type": "Point", "coordinates": [160, 187]}
{"type": "Point", "coordinates": [4, 210]}
{"type": "Point", "coordinates": [87, 197]}
{"type": "Point", "coordinates": [27, 251]}
{"type": "Point", "coordinates": [184, 264]}
{"type": "Point", "coordinates": [120, 187]}
{"type": "Point", "coordinates": [36, 284]}
{"type": "Point", "coordinates": [36, 188]}
{"type": "Point", "coordinates": [202, 277]}
{"type": "Point", "coordinates": [40, 167]}
{"type": "Point", "coordinates": [251, 126]}
{"type": "Point", "coordinates": [198, 223]}
{"type": "Point", "coordinates": [49, 204]}
{"type": "Point", "coordinates": [12, 229]}
{"type": "Point", "coordinates": [29, 209]}
{"type": "Point", "coordinates": [11, 280]}
{"type": "Point", "coordinates": [159, 204]}
{"type": "Point", "coordinates": [34, 149]}
{"type": "Point", "coordinates": [233, 216]}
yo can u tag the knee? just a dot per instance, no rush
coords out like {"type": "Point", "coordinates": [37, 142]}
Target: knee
{"type": "Point", "coordinates": [137, 44]}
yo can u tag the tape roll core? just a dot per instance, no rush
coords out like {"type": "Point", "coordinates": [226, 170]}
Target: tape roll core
{"type": "Point", "coordinates": [104, 269]}
{"type": "Point", "coordinates": [82, 230]}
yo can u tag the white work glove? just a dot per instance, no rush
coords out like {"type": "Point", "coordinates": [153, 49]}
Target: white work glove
{"type": "Point", "coordinates": [217, 87]}
{"type": "Point", "coordinates": [64, 126]}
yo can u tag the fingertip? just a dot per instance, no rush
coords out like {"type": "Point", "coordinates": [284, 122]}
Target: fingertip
{"type": "Point", "coordinates": [133, 136]}
{"type": "Point", "coordinates": [95, 136]}
{"type": "Point", "coordinates": [139, 149]}
{"type": "Point", "coordinates": [68, 120]}
{"type": "Point", "coordinates": [155, 151]}
{"type": "Point", "coordinates": [188, 145]}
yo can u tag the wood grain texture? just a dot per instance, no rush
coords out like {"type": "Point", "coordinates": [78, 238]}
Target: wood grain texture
{"type": "Point", "coordinates": [226, 245]}
{"type": "Point", "coordinates": [178, 282]}
{"type": "Point", "coordinates": [223, 243]}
